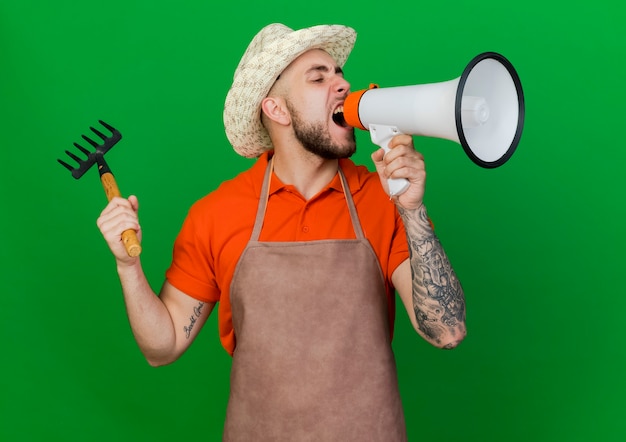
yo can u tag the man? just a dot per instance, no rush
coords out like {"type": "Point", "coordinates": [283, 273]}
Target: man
{"type": "Point", "coordinates": [303, 254]}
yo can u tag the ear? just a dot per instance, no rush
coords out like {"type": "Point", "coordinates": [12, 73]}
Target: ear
{"type": "Point", "coordinates": [276, 110]}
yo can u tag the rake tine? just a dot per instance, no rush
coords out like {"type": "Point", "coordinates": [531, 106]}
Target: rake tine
{"type": "Point", "coordinates": [108, 126]}
{"type": "Point", "coordinates": [90, 141]}
{"type": "Point", "coordinates": [82, 149]}
{"type": "Point", "coordinates": [67, 166]}
{"type": "Point", "coordinates": [74, 157]}
{"type": "Point", "coordinates": [100, 134]}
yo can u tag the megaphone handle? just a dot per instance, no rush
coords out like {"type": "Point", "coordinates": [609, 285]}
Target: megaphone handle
{"type": "Point", "coordinates": [397, 186]}
{"type": "Point", "coordinates": [381, 135]}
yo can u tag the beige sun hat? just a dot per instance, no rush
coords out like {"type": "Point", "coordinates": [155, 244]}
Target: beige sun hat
{"type": "Point", "coordinates": [268, 54]}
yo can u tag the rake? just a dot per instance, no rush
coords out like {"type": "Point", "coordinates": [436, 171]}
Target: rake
{"type": "Point", "coordinates": [129, 237]}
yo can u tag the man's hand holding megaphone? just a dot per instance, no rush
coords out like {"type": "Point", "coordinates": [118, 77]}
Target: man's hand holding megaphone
{"type": "Point", "coordinates": [401, 160]}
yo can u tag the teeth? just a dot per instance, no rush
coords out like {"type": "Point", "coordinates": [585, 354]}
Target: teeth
{"type": "Point", "coordinates": [338, 110]}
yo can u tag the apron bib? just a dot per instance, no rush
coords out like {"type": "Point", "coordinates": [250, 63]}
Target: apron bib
{"type": "Point", "coordinates": [313, 358]}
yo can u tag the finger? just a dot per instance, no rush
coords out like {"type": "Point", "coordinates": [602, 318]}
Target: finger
{"type": "Point", "coordinates": [408, 172]}
{"type": "Point", "coordinates": [401, 140]}
{"type": "Point", "coordinates": [113, 209]}
{"type": "Point", "coordinates": [121, 202]}
{"type": "Point", "coordinates": [402, 150]}
{"type": "Point", "coordinates": [112, 232]}
{"type": "Point", "coordinates": [397, 167]}
{"type": "Point", "coordinates": [112, 229]}
{"type": "Point", "coordinates": [119, 214]}
{"type": "Point", "coordinates": [108, 220]}
{"type": "Point", "coordinates": [397, 156]}
{"type": "Point", "coordinates": [378, 157]}
{"type": "Point", "coordinates": [414, 175]}
{"type": "Point", "coordinates": [115, 203]}
{"type": "Point", "coordinates": [402, 156]}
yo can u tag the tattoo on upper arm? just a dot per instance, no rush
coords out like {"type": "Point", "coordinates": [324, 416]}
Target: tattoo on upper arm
{"type": "Point", "coordinates": [438, 299]}
{"type": "Point", "coordinates": [197, 312]}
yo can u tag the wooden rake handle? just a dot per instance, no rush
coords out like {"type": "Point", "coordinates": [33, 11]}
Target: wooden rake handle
{"type": "Point", "coordinates": [129, 237]}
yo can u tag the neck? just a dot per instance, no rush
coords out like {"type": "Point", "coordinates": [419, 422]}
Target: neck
{"type": "Point", "coordinates": [308, 173]}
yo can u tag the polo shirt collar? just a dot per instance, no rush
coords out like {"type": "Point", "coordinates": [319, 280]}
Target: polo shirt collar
{"type": "Point", "coordinates": [347, 165]}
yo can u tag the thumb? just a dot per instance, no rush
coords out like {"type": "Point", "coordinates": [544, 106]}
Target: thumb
{"type": "Point", "coordinates": [134, 202]}
{"type": "Point", "coordinates": [377, 158]}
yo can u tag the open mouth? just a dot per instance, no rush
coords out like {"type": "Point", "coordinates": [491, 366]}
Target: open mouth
{"type": "Point", "coordinates": [338, 117]}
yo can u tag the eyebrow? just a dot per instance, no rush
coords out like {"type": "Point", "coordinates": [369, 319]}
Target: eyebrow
{"type": "Point", "coordinates": [323, 68]}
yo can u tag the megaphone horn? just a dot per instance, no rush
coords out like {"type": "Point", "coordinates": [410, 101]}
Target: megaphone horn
{"type": "Point", "coordinates": [483, 110]}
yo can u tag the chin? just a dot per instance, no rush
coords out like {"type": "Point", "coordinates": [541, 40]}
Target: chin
{"type": "Point", "coordinates": [346, 151]}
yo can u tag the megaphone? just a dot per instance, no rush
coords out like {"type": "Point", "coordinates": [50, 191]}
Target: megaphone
{"type": "Point", "coordinates": [483, 110]}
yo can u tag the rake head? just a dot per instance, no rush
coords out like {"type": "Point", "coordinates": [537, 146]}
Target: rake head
{"type": "Point", "coordinates": [93, 157]}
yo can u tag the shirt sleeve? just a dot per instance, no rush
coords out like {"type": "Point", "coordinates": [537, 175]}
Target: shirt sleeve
{"type": "Point", "coordinates": [191, 270]}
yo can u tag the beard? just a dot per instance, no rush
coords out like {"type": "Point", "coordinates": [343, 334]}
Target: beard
{"type": "Point", "coordinates": [316, 139]}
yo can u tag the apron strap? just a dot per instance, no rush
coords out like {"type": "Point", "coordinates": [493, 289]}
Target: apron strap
{"type": "Point", "coordinates": [356, 224]}
{"type": "Point", "coordinates": [265, 193]}
{"type": "Point", "coordinates": [263, 197]}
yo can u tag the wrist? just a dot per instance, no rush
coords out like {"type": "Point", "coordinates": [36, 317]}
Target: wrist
{"type": "Point", "coordinates": [417, 217]}
{"type": "Point", "coordinates": [130, 265]}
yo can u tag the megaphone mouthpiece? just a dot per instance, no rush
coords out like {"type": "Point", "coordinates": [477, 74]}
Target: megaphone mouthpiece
{"type": "Point", "coordinates": [351, 108]}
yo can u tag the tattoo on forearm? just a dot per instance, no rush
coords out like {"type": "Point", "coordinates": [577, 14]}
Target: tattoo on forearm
{"type": "Point", "coordinates": [197, 311]}
{"type": "Point", "coordinates": [438, 299]}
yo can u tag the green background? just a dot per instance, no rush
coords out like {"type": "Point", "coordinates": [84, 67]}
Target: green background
{"type": "Point", "coordinates": [538, 243]}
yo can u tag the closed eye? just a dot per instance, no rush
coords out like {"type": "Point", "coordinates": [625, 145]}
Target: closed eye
{"type": "Point", "coordinates": [322, 72]}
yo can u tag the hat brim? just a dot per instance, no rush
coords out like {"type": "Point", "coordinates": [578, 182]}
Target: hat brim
{"type": "Point", "coordinates": [255, 76]}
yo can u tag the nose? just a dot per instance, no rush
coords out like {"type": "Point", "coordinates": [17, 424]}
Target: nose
{"type": "Point", "coordinates": [342, 86]}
